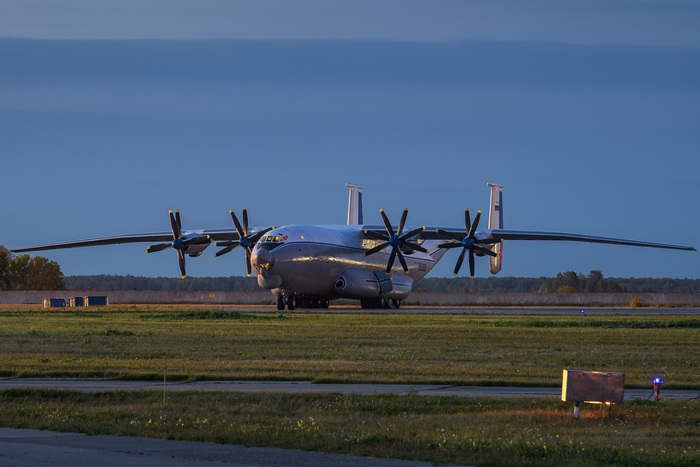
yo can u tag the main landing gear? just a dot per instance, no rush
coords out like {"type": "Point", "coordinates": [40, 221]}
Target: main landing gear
{"type": "Point", "coordinates": [293, 300]}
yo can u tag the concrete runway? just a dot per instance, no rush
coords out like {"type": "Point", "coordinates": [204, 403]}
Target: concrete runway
{"type": "Point", "coordinates": [480, 310]}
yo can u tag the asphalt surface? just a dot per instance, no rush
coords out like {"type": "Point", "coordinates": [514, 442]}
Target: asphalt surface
{"type": "Point", "coordinates": [46, 448]}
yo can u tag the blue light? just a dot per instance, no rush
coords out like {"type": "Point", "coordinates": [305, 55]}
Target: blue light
{"type": "Point", "coordinates": [583, 312]}
{"type": "Point", "coordinates": [657, 380]}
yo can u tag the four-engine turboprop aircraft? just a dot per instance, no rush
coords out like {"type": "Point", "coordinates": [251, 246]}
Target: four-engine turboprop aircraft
{"type": "Point", "coordinates": [309, 265]}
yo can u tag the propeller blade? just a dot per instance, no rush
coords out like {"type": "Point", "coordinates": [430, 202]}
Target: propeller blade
{"type": "Point", "coordinates": [173, 226]}
{"type": "Point", "coordinates": [181, 260]}
{"type": "Point", "coordinates": [416, 247]}
{"type": "Point", "coordinates": [467, 222]}
{"type": "Point", "coordinates": [449, 245]}
{"type": "Point", "coordinates": [472, 230]}
{"type": "Point", "coordinates": [402, 260]}
{"type": "Point", "coordinates": [376, 249]}
{"type": "Point", "coordinates": [411, 233]}
{"type": "Point", "coordinates": [402, 222]}
{"type": "Point", "coordinates": [239, 229]}
{"type": "Point", "coordinates": [245, 221]}
{"type": "Point", "coordinates": [179, 224]}
{"type": "Point", "coordinates": [226, 250]}
{"type": "Point", "coordinates": [247, 261]}
{"type": "Point", "coordinates": [387, 224]}
{"type": "Point", "coordinates": [159, 247]}
{"type": "Point", "coordinates": [460, 260]}
{"type": "Point", "coordinates": [487, 241]}
{"type": "Point", "coordinates": [485, 251]}
{"type": "Point", "coordinates": [391, 260]}
{"type": "Point", "coordinates": [471, 262]}
{"type": "Point", "coordinates": [376, 235]}
{"type": "Point", "coordinates": [226, 243]}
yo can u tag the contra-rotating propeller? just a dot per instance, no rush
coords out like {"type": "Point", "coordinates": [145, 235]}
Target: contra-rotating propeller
{"type": "Point", "coordinates": [471, 243]}
{"type": "Point", "coordinates": [395, 240]}
{"type": "Point", "coordinates": [180, 244]}
{"type": "Point", "coordinates": [246, 241]}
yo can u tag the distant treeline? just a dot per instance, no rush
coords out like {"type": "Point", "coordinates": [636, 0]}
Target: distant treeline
{"type": "Point", "coordinates": [572, 282]}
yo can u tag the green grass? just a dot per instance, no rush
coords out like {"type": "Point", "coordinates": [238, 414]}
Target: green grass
{"type": "Point", "coordinates": [193, 343]}
{"type": "Point", "coordinates": [188, 342]}
{"type": "Point", "coordinates": [474, 431]}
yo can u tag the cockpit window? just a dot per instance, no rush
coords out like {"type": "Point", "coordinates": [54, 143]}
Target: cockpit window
{"type": "Point", "coordinates": [272, 241]}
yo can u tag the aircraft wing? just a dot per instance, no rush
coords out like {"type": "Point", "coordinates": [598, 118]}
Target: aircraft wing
{"type": "Point", "coordinates": [497, 235]}
{"type": "Point", "coordinates": [501, 234]}
{"type": "Point", "coordinates": [215, 234]}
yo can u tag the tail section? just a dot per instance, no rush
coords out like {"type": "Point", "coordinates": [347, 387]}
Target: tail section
{"type": "Point", "coordinates": [355, 205]}
{"type": "Point", "coordinates": [496, 222]}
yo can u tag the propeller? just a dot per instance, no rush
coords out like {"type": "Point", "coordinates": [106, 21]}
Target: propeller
{"type": "Point", "coordinates": [245, 240]}
{"type": "Point", "coordinates": [395, 240]}
{"type": "Point", "coordinates": [471, 243]}
{"type": "Point", "coordinates": [180, 244]}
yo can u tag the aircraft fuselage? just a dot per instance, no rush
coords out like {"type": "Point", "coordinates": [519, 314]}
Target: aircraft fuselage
{"type": "Point", "coordinates": [314, 260]}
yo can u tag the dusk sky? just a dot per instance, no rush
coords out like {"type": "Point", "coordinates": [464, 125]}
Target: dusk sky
{"type": "Point", "coordinates": [112, 113]}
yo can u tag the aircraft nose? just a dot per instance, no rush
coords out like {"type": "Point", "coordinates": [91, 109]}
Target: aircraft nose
{"type": "Point", "coordinates": [261, 258]}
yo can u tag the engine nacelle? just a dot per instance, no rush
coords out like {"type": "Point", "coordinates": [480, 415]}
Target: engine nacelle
{"type": "Point", "coordinates": [196, 250]}
{"type": "Point", "coordinates": [360, 283]}
{"type": "Point", "coordinates": [495, 262]}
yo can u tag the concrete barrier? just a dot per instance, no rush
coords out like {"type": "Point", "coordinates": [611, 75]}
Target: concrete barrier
{"type": "Point", "coordinates": [551, 299]}
{"type": "Point", "coordinates": [416, 298]}
{"type": "Point", "coordinates": [145, 297]}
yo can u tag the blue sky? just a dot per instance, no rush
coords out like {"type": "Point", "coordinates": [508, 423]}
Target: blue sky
{"type": "Point", "coordinates": [113, 113]}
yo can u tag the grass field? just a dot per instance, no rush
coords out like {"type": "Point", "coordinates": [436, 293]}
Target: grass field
{"type": "Point", "coordinates": [473, 431]}
{"type": "Point", "coordinates": [190, 343]}
{"type": "Point", "coordinates": [193, 343]}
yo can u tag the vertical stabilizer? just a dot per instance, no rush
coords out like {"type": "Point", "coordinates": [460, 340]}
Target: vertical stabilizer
{"type": "Point", "coordinates": [496, 222]}
{"type": "Point", "coordinates": [355, 205]}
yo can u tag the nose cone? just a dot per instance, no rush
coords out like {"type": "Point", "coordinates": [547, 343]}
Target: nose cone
{"type": "Point", "coordinates": [261, 259]}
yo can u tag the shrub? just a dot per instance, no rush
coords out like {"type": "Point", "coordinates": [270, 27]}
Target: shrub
{"type": "Point", "coordinates": [636, 302]}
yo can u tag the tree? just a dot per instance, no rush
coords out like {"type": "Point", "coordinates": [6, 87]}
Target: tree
{"type": "Point", "coordinates": [572, 282]}
{"type": "Point", "coordinates": [5, 259]}
{"type": "Point", "coordinates": [38, 273]}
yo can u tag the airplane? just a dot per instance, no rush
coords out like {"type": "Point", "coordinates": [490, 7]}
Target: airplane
{"type": "Point", "coordinates": [310, 265]}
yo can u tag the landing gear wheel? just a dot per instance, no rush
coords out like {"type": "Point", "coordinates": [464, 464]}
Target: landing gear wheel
{"type": "Point", "coordinates": [280, 302]}
{"type": "Point", "coordinates": [291, 301]}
